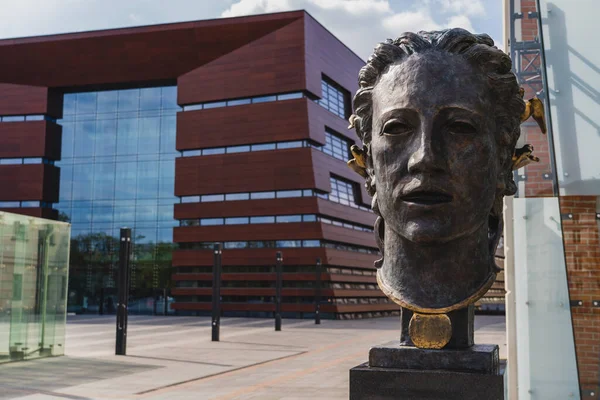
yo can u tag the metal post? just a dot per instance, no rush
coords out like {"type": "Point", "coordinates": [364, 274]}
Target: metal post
{"type": "Point", "coordinates": [278, 282]}
{"type": "Point", "coordinates": [101, 305]}
{"type": "Point", "coordinates": [154, 300]}
{"type": "Point", "coordinates": [165, 302]}
{"type": "Point", "coordinates": [318, 292]}
{"type": "Point", "coordinates": [216, 293]}
{"type": "Point", "coordinates": [124, 259]}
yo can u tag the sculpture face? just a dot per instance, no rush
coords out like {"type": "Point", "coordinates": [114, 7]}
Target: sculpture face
{"type": "Point", "coordinates": [433, 147]}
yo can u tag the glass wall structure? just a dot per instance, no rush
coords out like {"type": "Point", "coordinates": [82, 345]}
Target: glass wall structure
{"type": "Point", "coordinates": [118, 170]}
{"type": "Point", "coordinates": [34, 268]}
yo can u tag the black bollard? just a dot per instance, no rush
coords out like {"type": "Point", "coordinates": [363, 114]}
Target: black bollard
{"type": "Point", "coordinates": [318, 293]}
{"type": "Point", "coordinates": [278, 283]}
{"type": "Point", "coordinates": [216, 293]}
{"type": "Point", "coordinates": [101, 304]}
{"type": "Point", "coordinates": [124, 259]}
{"type": "Point", "coordinates": [166, 302]}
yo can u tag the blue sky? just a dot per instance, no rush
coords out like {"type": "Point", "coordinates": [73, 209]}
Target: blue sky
{"type": "Point", "coordinates": [360, 24]}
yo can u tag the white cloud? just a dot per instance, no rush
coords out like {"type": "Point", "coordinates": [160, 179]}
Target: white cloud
{"type": "Point", "coordinates": [249, 7]}
{"type": "Point", "coordinates": [466, 7]}
{"type": "Point", "coordinates": [460, 21]}
{"type": "Point", "coordinates": [410, 22]}
{"type": "Point", "coordinates": [355, 7]}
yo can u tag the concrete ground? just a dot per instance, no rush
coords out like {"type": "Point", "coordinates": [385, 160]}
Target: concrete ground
{"type": "Point", "coordinates": [173, 358]}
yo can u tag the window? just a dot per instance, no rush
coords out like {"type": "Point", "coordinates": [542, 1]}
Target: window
{"type": "Point", "coordinates": [264, 99]}
{"type": "Point", "coordinates": [262, 195]}
{"type": "Point", "coordinates": [336, 146]}
{"type": "Point", "coordinates": [262, 220]}
{"type": "Point", "coordinates": [190, 199]}
{"type": "Point", "coordinates": [215, 104]}
{"type": "Point", "coordinates": [237, 196]}
{"type": "Point", "coordinates": [282, 194]}
{"type": "Point", "coordinates": [334, 98]}
{"type": "Point", "coordinates": [289, 218]}
{"type": "Point", "coordinates": [289, 96]}
{"type": "Point", "coordinates": [216, 150]}
{"type": "Point", "coordinates": [238, 149]}
{"type": "Point", "coordinates": [236, 221]}
{"type": "Point", "coordinates": [212, 197]}
{"type": "Point", "coordinates": [211, 221]}
{"type": "Point", "coordinates": [342, 192]}
{"type": "Point", "coordinates": [238, 102]}
{"type": "Point", "coordinates": [262, 147]}
{"type": "Point", "coordinates": [289, 145]}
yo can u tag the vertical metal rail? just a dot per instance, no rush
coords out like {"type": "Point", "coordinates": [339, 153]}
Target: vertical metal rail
{"type": "Point", "coordinates": [278, 283]}
{"type": "Point", "coordinates": [318, 273]}
{"type": "Point", "coordinates": [124, 260]}
{"type": "Point", "coordinates": [216, 292]}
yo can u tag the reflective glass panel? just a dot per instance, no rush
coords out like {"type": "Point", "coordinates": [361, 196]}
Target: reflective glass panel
{"type": "Point", "coordinates": [117, 170]}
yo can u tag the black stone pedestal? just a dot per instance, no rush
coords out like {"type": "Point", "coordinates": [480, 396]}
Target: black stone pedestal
{"type": "Point", "coordinates": [407, 373]}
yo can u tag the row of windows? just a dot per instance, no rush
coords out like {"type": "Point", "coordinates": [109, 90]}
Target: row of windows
{"type": "Point", "coordinates": [270, 219]}
{"type": "Point", "coordinates": [21, 118]}
{"type": "Point", "coordinates": [25, 160]}
{"type": "Point", "coordinates": [246, 100]}
{"type": "Point", "coordinates": [335, 146]}
{"type": "Point", "coordinates": [24, 204]}
{"type": "Point", "coordinates": [120, 101]}
{"type": "Point", "coordinates": [334, 98]}
{"type": "Point", "coordinates": [263, 244]}
{"type": "Point", "coordinates": [278, 194]}
{"type": "Point", "coordinates": [247, 148]}
{"type": "Point", "coordinates": [335, 196]}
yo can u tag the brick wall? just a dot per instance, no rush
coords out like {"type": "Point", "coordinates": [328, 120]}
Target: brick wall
{"type": "Point", "coordinates": [582, 251]}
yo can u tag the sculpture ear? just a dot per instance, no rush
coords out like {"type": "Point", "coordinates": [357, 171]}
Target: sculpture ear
{"type": "Point", "coordinates": [379, 237]}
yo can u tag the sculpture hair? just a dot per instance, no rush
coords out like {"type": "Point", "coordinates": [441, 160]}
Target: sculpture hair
{"type": "Point", "coordinates": [479, 51]}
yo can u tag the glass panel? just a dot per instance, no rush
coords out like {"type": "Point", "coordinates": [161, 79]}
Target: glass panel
{"type": "Point", "coordinates": [289, 96]}
{"type": "Point", "coordinates": [32, 160]}
{"type": "Point", "coordinates": [237, 196]}
{"type": "Point", "coordinates": [17, 118]}
{"type": "Point", "coordinates": [262, 220]}
{"type": "Point", "coordinates": [190, 199]}
{"type": "Point", "coordinates": [150, 98]}
{"type": "Point", "coordinates": [211, 221]}
{"type": "Point", "coordinates": [282, 194]}
{"type": "Point", "coordinates": [236, 221]}
{"type": "Point", "coordinates": [264, 99]}
{"type": "Point", "coordinates": [215, 104]}
{"type": "Point", "coordinates": [34, 118]}
{"type": "Point", "coordinates": [169, 98]}
{"type": "Point", "coordinates": [545, 349]}
{"type": "Point", "coordinates": [573, 70]}
{"type": "Point", "coordinates": [212, 197]}
{"type": "Point", "coordinates": [261, 147]}
{"type": "Point", "coordinates": [262, 195]}
{"type": "Point", "coordinates": [218, 150]}
{"type": "Point", "coordinates": [311, 243]}
{"type": "Point", "coordinates": [107, 102]}
{"type": "Point", "coordinates": [288, 218]}
{"type": "Point", "coordinates": [238, 149]}
{"type": "Point", "coordinates": [238, 102]}
{"type": "Point", "coordinates": [289, 145]}
{"type": "Point", "coordinates": [33, 286]}
{"type": "Point", "coordinates": [193, 107]}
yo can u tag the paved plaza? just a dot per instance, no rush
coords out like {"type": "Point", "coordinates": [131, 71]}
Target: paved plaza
{"type": "Point", "coordinates": [173, 358]}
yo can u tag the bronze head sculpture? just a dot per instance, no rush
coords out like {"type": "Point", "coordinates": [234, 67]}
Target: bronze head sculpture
{"type": "Point", "coordinates": [438, 114]}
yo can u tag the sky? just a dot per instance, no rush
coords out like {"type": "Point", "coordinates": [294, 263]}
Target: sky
{"type": "Point", "coordinates": [360, 24]}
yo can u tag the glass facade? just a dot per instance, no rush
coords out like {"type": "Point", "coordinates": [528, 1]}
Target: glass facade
{"type": "Point", "coordinates": [34, 268]}
{"type": "Point", "coordinates": [118, 170]}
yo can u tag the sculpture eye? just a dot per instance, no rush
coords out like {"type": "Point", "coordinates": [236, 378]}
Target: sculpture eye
{"type": "Point", "coordinates": [462, 127]}
{"type": "Point", "coordinates": [396, 127]}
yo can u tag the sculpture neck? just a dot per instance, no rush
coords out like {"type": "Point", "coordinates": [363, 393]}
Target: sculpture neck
{"type": "Point", "coordinates": [436, 277]}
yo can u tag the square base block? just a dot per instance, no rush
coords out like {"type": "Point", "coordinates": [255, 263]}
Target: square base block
{"type": "Point", "coordinates": [373, 383]}
{"type": "Point", "coordinates": [480, 358]}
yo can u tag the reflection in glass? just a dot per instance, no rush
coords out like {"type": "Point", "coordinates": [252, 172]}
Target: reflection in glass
{"type": "Point", "coordinates": [118, 169]}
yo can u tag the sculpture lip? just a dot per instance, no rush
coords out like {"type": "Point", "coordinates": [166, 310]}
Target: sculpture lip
{"type": "Point", "coordinates": [427, 197]}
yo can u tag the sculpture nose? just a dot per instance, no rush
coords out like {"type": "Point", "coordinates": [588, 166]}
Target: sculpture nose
{"type": "Point", "coordinates": [426, 157]}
